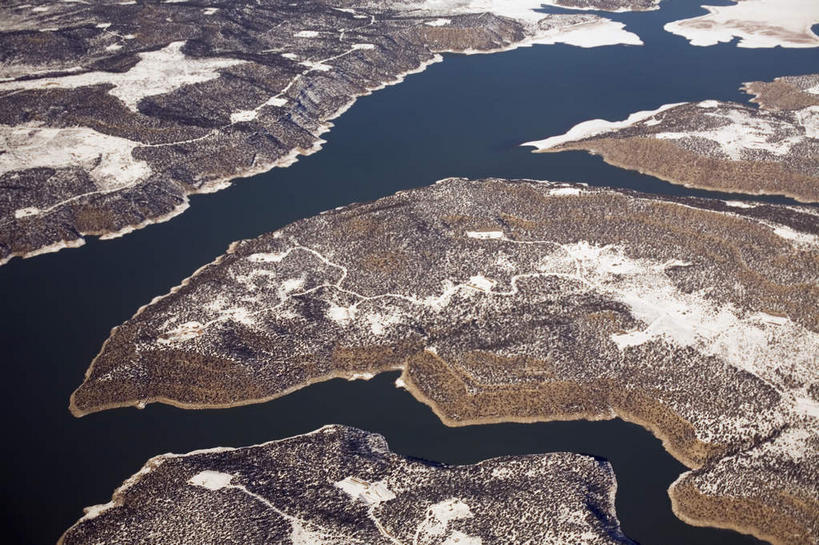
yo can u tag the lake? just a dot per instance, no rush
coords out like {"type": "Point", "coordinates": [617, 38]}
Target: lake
{"type": "Point", "coordinates": [463, 117]}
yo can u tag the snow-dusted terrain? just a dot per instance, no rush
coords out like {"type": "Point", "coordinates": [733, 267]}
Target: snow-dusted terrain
{"type": "Point", "coordinates": [757, 23]}
{"type": "Point", "coordinates": [693, 317]}
{"type": "Point", "coordinates": [606, 5]}
{"type": "Point", "coordinates": [722, 146]}
{"type": "Point", "coordinates": [112, 113]}
{"type": "Point", "coordinates": [342, 486]}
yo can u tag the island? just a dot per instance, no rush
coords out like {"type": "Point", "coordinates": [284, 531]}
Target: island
{"type": "Point", "coordinates": [756, 23]}
{"type": "Point", "coordinates": [342, 486]}
{"type": "Point", "coordinates": [716, 145]}
{"type": "Point", "coordinates": [521, 301]}
{"type": "Point", "coordinates": [112, 113]}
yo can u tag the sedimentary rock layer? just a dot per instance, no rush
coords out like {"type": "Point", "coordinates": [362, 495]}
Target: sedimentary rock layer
{"type": "Point", "coordinates": [756, 23]}
{"type": "Point", "coordinates": [721, 146]}
{"type": "Point", "coordinates": [341, 486]}
{"type": "Point", "coordinates": [112, 113]}
{"type": "Point", "coordinates": [524, 301]}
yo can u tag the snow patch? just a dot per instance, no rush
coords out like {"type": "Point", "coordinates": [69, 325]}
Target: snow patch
{"type": "Point", "coordinates": [306, 34]}
{"type": "Point", "coordinates": [267, 257]}
{"type": "Point", "coordinates": [26, 212]}
{"type": "Point", "coordinates": [449, 510]}
{"type": "Point", "coordinates": [480, 282]}
{"type": "Point", "coordinates": [373, 493]}
{"type": "Point", "coordinates": [809, 119]}
{"type": "Point", "coordinates": [93, 511]}
{"type": "Point", "coordinates": [740, 204]}
{"type": "Point", "coordinates": [107, 159]}
{"type": "Point", "coordinates": [634, 338]}
{"type": "Point", "coordinates": [300, 535]}
{"type": "Point", "coordinates": [436, 524]}
{"type": "Point", "coordinates": [743, 131]}
{"type": "Point", "coordinates": [757, 23]}
{"type": "Point", "coordinates": [485, 235]}
{"type": "Point", "coordinates": [212, 480]}
{"type": "Point", "coordinates": [239, 314]}
{"type": "Point", "coordinates": [379, 322]}
{"type": "Point", "coordinates": [243, 115]}
{"type": "Point", "coordinates": [157, 73]}
{"type": "Point", "coordinates": [597, 33]}
{"type": "Point", "coordinates": [595, 127]}
{"type": "Point", "coordinates": [341, 315]}
{"type": "Point", "coordinates": [795, 236]}
{"type": "Point", "coordinates": [320, 66]}
{"type": "Point", "coordinates": [291, 285]}
{"type": "Point", "coordinates": [361, 376]}
{"type": "Point", "coordinates": [592, 33]}
{"type": "Point", "coordinates": [563, 191]}
{"type": "Point", "coordinates": [250, 115]}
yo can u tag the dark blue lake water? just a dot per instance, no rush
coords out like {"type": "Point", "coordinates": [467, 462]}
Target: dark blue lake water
{"type": "Point", "coordinates": [463, 117]}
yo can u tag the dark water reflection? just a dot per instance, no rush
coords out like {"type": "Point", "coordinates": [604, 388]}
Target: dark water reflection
{"type": "Point", "coordinates": [463, 117]}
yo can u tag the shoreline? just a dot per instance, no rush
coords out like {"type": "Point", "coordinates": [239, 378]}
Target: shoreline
{"type": "Point", "coordinates": [664, 177]}
{"type": "Point", "coordinates": [679, 512]}
{"type": "Point", "coordinates": [615, 413]}
{"type": "Point", "coordinates": [589, 484]}
{"type": "Point", "coordinates": [325, 125]}
{"type": "Point", "coordinates": [142, 403]}
{"type": "Point", "coordinates": [405, 382]}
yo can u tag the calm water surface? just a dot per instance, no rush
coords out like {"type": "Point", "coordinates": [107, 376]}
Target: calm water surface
{"type": "Point", "coordinates": [463, 117]}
